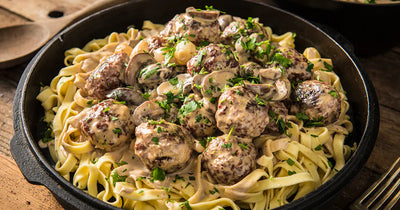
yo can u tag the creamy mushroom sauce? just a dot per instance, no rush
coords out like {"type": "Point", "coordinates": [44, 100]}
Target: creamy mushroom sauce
{"type": "Point", "coordinates": [193, 113]}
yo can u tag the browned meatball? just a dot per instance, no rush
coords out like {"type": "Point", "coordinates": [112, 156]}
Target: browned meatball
{"type": "Point", "coordinates": [241, 27]}
{"type": "Point", "coordinates": [229, 159]}
{"type": "Point", "coordinates": [319, 101]}
{"type": "Point", "coordinates": [292, 63]}
{"type": "Point", "coordinates": [213, 58]}
{"type": "Point", "coordinates": [164, 145]}
{"type": "Point", "coordinates": [107, 125]}
{"type": "Point", "coordinates": [243, 111]}
{"type": "Point", "coordinates": [196, 25]}
{"type": "Point", "coordinates": [200, 122]}
{"type": "Point", "coordinates": [106, 76]}
{"type": "Point", "coordinates": [277, 113]}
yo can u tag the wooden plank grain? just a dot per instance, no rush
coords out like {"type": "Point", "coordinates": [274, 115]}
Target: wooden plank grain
{"type": "Point", "coordinates": [39, 10]}
{"type": "Point", "coordinates": [8, 18]}
{"type": "Point", "coordinates": [17, 193]}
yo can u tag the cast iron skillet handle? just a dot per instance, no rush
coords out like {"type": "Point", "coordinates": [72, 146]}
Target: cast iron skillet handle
{"type": "Point", "coordinates": [36, 174]}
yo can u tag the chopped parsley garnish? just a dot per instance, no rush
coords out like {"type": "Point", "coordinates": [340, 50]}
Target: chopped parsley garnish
{"type": "Point", "coordinates": [250, 23]}
{"type": "Point", "coordinates": [309, 122]}
{"type": "Point", "coordinates": [95, 160]}
{"type": "Point", "coordinates": [213, 100]}
{"type": "Point", "coordinates": [198, 118]}
{"type": "Point", "coordinates": [159, 129]}
{"type": "Point", "coordinates": [192, 178]}
{"type": "Point", "coordinates": [140, 192]}
{"type": "Point", "coordinates": [149, 71]}
{"type": "Point", "coordinates": [260, 101]}
{"type": "Point", "coordinates": [155, 140]}
{"type": "Point", "coordinates": [239, 92]}
{"type": "Point", "coordinates": [152, 122]}
{"type": "Point", "coordinates": [317, 148]}
{"type": "Point", "coordinates": [174, 81]}
{"type": "Point", "coordinates": [333, 93]}
{"type": "Point", "coordinates": [243, 146]}
{"type": "Point", "coordinates": [282, 60]}
{"type": "Point", "coordinates": [313, 135]}
{"type": "Point", "coordinates": [177, 177]}
{"type": "Point", "coordinates": [215, 190]}
{"type": "Point", "coordinates": [330, 164]}
{"type": "Point", "coordinates": [186, 204]}
{"type": "Point", "coordinates": [119, 102]}
{"type": "Point", "coordinates": [227, 145]}
{"type": "Point", "coordinates": [204, 43]}
{"type": "Point", "coordinates": [328, 67]}
{"type": "Point", "coordinates": [203, 142]}
{"type": "Point", "coordinates": [140, 178]}
{"type": "Point", "coordinates": [121, 163]}
{"type": "Point", "coordinates": [158, 174]}
{"type": "Point", "coordinates": [206, 120]}
{"type": "Point", "coordinates": [113, 118]}
{"type": "Point", "coordinates": [106, 109]}
{"type": "Point", "coordinates": [290, 161]}
{"type": "Point", "coordinates": [291, 173]}
{"type": "Point", "coordinates": [117, 130]}
{"type": "Point", "coordinates": [47, 135]}
{"type": "Point", "coordinates": [230, 133]}
{"type": "Point", "coordinates": [117, 178]}
{"type": "Point", "coordinates": [310, 66]}
{"type": "Point", "coordinates": [238, 80]}
{"type": "Point", "coordinates": [90, 103]}
{"type": "Point", "coordinates": [199, 56]}
{"type": "Point", "coordinates": [169, 53]}
{"type": "Point", "coordinates": [189, 107]}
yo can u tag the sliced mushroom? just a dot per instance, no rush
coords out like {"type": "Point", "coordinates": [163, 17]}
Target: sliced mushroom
{"type": "Point", "coordinates": [151, 110]}
{"type": "Point", "coordinates": [224, 21]}
{"type": "Point", "coordinates": [153, 75]}
{"type": "Point", "coordinates": [268, 75]}
{"type": "Point", "coordinates": [250, 68]}
{"type": "Point", "coordinates": [136, 63]}
{"type": "Point", "coordinates": [280, 90]}
{"type": "Point", "coordinates": [204, 14]}
{"type": "Point", "coordinates": [130, 95]}
{"type": "Point", "coordinates": [181, 83]}
{"type": "Point", "coordinates": [196, 85]}
{"type": "Point", "coordinates": [213, 83]}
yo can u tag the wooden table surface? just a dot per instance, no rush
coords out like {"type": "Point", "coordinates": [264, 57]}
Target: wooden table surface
{"type": "Point", "coordinates": [16, 193]}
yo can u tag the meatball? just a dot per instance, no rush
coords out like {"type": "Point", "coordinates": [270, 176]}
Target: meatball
{"type": "Point", "coordinates": [196, 25]}
{"type": "Point", "coordinates": [277, 123]}
{"type": "Point", "coordinates": [243, 111]}
{"type": "Point", "coordinates": [228, 159]}
{"type": "Point", "coordinates": [200, 122]}
{"type": "Point", "coordinates": [318, 100]}
{"type": "Point", "coordinates": [107, 124]}
{"type": "Point", "coordinates": [164, 145]}
{"type": "Point", "coordinates": [293, 63]}
{"type": "Point", "coordinates": [106, 76]}
{"type": "Point", "coordinates": [213, 58]}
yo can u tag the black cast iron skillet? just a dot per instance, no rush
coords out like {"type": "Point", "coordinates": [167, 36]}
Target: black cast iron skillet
{"type": "Point", "coordinates": [36, 164]}
{"type": "Point", "coordinates": [372, 28]}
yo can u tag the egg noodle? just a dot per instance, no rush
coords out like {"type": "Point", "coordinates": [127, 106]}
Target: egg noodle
{"type": "Point", "coordinates": [289, 166]}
